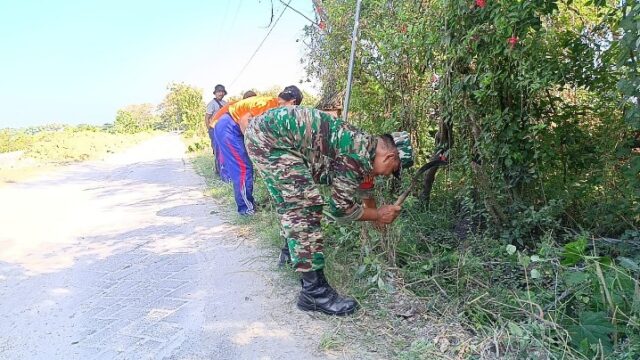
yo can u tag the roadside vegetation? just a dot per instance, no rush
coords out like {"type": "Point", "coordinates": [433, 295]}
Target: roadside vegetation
{"type": "Point", "coordinates": [527, 246]}
{"type": "Point", "coordinates": [30, 151]}
{"type": "Point", "coordinates": [530, 238]}
{"type": "Point", "coordinates": [25, 153]}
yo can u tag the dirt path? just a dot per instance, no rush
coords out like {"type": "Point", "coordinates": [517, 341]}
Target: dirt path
{"type": "Point", "coordinates": [122, 259]}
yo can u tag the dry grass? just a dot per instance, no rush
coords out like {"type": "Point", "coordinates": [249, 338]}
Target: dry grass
{"type": "Point", "coordinates": [388, 326]}
{"type": "Point", "coordinates": [55, 148]}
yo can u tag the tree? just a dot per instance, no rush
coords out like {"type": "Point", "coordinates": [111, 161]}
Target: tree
{"type": "Point", "coordinates": [135, 118]}
{"type": "Point", "coordinates": [124, 123]}
{"type": "Point", "coordinates": [183, 109]}
{"type": "Point", "coordinates": [529, 90]}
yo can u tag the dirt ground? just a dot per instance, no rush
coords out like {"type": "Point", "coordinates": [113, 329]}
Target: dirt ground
{"type": "Point", "coordinates": [125, 258]}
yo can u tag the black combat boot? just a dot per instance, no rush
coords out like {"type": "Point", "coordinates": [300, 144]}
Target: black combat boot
{"type": "Point", "coordinates": [318, 295]}
{"type": "Point", "coordinates": [285, 256]}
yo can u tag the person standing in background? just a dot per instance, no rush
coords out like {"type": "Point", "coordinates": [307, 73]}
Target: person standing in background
{"type": "Point", "coordinates": [219, 92]}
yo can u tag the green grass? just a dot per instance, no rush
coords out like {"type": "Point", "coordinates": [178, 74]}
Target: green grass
{"type": "Point", "coordinates": [332, 341]}
{"type": "Point", "coordinates": [426, 293]}
{"type": "Point", "coordinates": [375, 331]}
{"type": "Point", "coordinates": [222, 193]}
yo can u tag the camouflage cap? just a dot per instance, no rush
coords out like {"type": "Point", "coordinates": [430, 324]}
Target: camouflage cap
{"type": "Point", "coordinates": [405, 151]}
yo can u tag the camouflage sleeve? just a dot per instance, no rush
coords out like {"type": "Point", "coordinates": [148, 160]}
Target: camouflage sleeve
{"type": "Point", "coordinates": [345, 187]}
{"type": "Point", "coordinates": [365, 190]}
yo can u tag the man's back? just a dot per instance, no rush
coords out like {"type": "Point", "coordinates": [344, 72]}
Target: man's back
{"type": "Point", "coordinates": [321, 139]}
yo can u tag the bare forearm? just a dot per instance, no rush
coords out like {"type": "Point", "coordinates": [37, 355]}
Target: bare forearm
{"type": "Point", "coordinates": [369, 214]}
{"type": "Point", "coordinates": [369, 203]}
{"type": "Point", "coordinates": [385, 214]}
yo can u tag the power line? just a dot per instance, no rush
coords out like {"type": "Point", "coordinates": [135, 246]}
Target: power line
{"type": "Point", "coordinates": [260, 45]}
{"type": "Point", "coordinates": [235, 16]}
{"type": "Point", "coordinates": [299, 12]}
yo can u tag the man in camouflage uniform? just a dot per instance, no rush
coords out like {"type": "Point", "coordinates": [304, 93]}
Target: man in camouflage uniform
{"type": "Point", "coordinates": [295, 148]}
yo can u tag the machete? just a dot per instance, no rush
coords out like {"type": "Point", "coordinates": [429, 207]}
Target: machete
{"type": "Point", "coordinates": [423, 169]}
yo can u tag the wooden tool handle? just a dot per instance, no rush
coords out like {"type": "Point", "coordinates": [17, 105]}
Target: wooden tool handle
{"type": "Point", "coordinates": [404, 195]}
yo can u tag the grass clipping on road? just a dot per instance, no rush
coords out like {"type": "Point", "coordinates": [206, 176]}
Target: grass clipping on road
{"type": "Point", "coordinates": [49, 149]}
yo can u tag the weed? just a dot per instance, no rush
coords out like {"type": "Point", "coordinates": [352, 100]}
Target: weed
{"type": "Point", "coordinates": [429, 292]}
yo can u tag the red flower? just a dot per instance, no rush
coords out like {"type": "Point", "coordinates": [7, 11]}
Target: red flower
{"type": "Point", "coordinates": [403, 28]}
{"type": "Point", "coordinates": [513, 41]}
{"type": "Point", "coordinates": [481, 3]}
{"type": "Point", "coordinates": [322, 25]}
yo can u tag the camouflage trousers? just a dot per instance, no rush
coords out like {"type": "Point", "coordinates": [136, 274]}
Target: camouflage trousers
{"type": "Point", "coordinates": [298, 200]}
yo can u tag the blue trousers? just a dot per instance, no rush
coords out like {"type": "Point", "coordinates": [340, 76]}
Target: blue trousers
{"type": "Point", "coordinates": [217, 157]}
{"type": "Point", "coordinates": [235, 162]}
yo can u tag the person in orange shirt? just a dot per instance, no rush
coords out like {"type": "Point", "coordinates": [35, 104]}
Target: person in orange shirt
{"type": "Point", "coordinates": [229, 139]}
{"type": "Point", "coordinates": [211, 124]}
{"type": "Point", "coordinates": [225, 109]}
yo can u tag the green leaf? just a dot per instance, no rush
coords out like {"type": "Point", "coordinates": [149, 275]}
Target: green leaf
{"type": "Point", "coordinates": [535, 258]}
{"type": "Point", "coordinates": [629, 264]}
{"type": "Point", "coordinates": [595, 328]}
{"type": "Point", "coordinates": [361, 269]}
{"type": "Point", "coordinates": [576, 278]}
{"type": "Point", "coordinates": [515, 329]}
{"type": "Point", "coordinates": [511, 249]}
{"type": "Point", "coordinates": [605, 260]}
{"type": "Point", "coordinates": [574, 252]}
{"type": "Point", "coordinates": [535, 274]}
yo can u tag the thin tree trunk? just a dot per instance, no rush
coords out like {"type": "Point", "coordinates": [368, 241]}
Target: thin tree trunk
{"type": "Point", "coordinates": [482, 181]}
{"type": "Point", "coordinates": [444, 141]}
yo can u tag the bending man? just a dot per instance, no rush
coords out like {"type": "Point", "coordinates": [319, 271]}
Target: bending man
{"type": "Point", "coordinates": [230, 142]}
{"type": "Point", "coordinates": [212, 124]}
{"type": "Point", "coordinates": [296, 148]}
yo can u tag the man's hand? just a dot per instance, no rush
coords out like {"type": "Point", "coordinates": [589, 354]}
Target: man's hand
{"type": "Point", "coordinates": [388, 213]}
{"type": "Point", "coordinates": [370, 203]}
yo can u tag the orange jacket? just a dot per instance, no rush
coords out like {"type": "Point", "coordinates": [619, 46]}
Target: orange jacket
{"type": "Point", "coordinates": [253, 106]}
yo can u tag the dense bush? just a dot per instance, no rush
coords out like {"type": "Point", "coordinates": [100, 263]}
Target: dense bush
{"type": "Point", "coordinates": [535, 104]}
{"type": "Point", "coordinates": [13, 140]}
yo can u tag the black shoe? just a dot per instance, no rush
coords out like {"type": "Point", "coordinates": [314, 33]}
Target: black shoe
{"type": "Point", "coordinates": [318, 295]}
{"type": "Point", "coordinates": [285, 257]}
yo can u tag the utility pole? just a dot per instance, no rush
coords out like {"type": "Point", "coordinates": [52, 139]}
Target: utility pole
{"type": "Point", "coordinates": [354, 36]}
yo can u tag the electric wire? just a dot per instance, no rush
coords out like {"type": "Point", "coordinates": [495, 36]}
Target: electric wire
{"type": "Point", "coordinates": [260, 45]}
{"type": "Point", "coordinates": [299, 13]}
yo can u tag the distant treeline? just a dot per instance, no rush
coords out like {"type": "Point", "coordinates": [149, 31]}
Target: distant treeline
{"type": "Point", "coordinates": [182, 109]}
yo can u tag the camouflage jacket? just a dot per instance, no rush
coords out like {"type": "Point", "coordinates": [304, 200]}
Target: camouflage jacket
{"type": "Point", "coordinates": [336, 153]}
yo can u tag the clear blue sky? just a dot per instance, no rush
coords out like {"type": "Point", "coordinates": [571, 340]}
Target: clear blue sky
{"type": "Point", "coordinates": [78, 61]}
